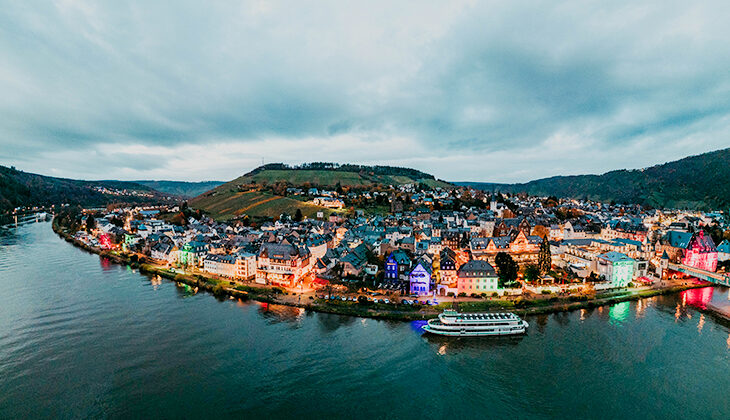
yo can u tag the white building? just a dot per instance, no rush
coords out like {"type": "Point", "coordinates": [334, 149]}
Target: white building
{"type": "Point", "coordinates": [245, 265]}
{"type": "Point", "coordinates": [222, 265]}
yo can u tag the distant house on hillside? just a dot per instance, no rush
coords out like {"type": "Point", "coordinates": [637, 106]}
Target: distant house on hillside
{"type": "Point", "coordinates": [329, 202]}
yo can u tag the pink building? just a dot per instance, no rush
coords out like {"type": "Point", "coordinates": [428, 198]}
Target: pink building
{"type": "Point", "coordinates": [701, 252]}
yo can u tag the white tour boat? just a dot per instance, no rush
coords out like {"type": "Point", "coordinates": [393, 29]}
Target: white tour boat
{"type": "Point", "coordinates": [456, 324]}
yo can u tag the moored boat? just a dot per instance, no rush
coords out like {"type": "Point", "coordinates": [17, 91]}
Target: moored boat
{"type": "Point", "coordinates": [453, 323]}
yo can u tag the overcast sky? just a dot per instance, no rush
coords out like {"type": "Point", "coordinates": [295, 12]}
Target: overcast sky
{"type": "Point", "coordinates": [503, 91]}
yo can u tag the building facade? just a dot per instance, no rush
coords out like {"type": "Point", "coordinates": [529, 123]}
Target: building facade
{"type": "Point", "coordinates": [616, 268]}
{"type": "Point", "coordinates": [477, 276]}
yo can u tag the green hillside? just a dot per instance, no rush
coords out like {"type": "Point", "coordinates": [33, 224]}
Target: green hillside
{"type": "Point", "coordinates": [696, 182]}
{"type": "Point", "coordinates": [226, 202]}
{"type": "Point", "coordinates": [18, 189]}
{"type": "Point", "coordinates": [181, 188]}
{"type": "Point", "coordinates": [252, 193]}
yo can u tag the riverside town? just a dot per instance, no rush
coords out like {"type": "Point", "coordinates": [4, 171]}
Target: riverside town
{"type": "Point", "coordinates": [365, 210]}
{"type": "Point", "coordinates": [430, 249]}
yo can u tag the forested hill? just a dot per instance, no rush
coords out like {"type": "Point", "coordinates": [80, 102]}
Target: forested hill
{"type": "Point", "coordinates": [18, 189]}
{"type": "Point", "coordinates": [695, 182]}
{"type": "Point", "coordinates": [181, 188]}
{"type": "Point", "coordinates": [325, 174]}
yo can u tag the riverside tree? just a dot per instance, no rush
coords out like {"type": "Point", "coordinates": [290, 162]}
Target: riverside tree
{"type": "Point", "coordinates": [531, 273]}
{"type": "Point", "coordinates": [544, 257]}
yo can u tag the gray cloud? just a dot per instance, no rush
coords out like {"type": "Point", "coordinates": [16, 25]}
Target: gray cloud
{"type": "Point", "coordinates": [501, 91]}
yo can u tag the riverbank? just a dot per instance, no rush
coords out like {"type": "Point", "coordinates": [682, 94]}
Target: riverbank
{"type": "Point", "coordinates": [275, 295]}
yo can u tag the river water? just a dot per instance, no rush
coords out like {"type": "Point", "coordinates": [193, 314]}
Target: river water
{"type": "Point", "coordinates": [82, 337]}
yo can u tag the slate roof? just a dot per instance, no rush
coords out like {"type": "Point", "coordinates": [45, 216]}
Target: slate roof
{"type": "Point", "coordinates": [724, 247]}
{"type": "Point", "coordinates": [281, 251]}
{"type": "Point", "coordinates": [702, 242]}
{"type": "Point", "coordinates": [425, 264]}
{"type": "Point", "coordinates": [614, 257]}
{"type": "Point", "coordinates": [678, 239]}
{"type": "Point", "coordinates": [476, 268]}
{"type": "Point", "coordinates": [400, 257]}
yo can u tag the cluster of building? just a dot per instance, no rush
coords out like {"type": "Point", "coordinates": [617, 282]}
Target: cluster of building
{"type": "Point", "coordinates": [121, 192]}
{"type": "Point", "coordinates": [427, 251]}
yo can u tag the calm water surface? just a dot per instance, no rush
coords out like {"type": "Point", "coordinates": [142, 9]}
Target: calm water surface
{"type": "Point", "coordinates": [81, 337]}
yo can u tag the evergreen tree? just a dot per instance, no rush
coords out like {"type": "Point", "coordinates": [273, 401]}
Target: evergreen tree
{"type": "Point", "coordinates": [544, 258]}
{"type": "Point", "coordinates": [90, 223]}
{"type": "Point", "coordinates": [298, 216]}
{"type": "Point", "coordinates": [506, 268]}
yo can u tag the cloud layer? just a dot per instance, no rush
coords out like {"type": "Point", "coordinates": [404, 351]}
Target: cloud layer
{"type": "Point", "coordinates": [485, 91]}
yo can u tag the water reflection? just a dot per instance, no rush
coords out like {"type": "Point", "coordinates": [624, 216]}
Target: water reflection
{"type": "Point", "coordinates": [184, 291]}
{"type": "Point", "coordinates": [281, 313]}
{"type": "Point", "coordinates": [641, 306]}
{"type": "Point", "coordinates": [417, 326]}
{"type": "Point", "coordinates": [155, 281]}
{"type": "Point", "coordinates": [698, 298]}
{"type": "Point", "coordinates": [329, 323]}
{"type": "Point", "coordinates": [541, 322]}
{"type": "Point", "coordinates": [106, 264]}
{"type": "Point", "coordinates": [619, 312]}
{"type": "Point", "coordinates": [443, 345]}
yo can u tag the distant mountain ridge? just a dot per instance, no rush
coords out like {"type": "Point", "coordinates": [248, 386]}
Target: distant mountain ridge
{"type": "Point", "coordinates": [181, 188]}
{"type": "Point", "coordinates": [699, 182]}
{"type": "Point", "coordinates": [19, 189]}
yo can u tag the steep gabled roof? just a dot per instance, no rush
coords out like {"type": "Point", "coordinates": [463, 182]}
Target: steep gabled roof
{"type": "Point", "coordinates": [677, 239]}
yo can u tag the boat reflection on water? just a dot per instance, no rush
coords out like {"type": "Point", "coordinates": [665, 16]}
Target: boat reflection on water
{"type": "Point", "coordinates": [443, 344]}
{"type": "Point", "coordinates": [417, 326]}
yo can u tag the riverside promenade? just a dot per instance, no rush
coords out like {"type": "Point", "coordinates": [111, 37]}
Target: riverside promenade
{"type": "Point", "coordinates": [395, 311]}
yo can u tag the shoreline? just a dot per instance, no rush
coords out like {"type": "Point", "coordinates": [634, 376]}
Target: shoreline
{"type": "Point", "coordinates": [378, 311]}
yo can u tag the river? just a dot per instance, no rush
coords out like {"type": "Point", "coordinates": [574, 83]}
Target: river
{"type": "Point", "coordinates": [82, 337]}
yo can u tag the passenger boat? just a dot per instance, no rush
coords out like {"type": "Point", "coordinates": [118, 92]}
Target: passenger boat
{"type": "Point", "coordinates": [453, 323]}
